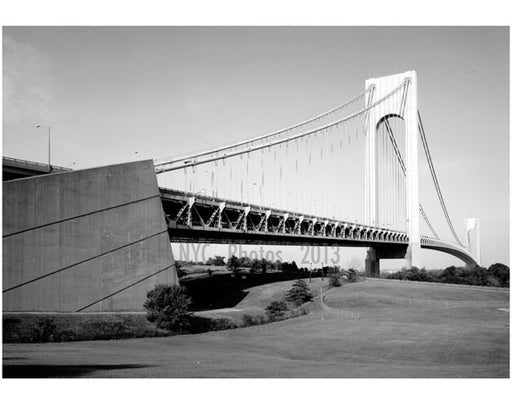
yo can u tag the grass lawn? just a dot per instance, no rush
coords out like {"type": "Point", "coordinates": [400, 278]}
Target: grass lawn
{"type": "Point", "coordinates": [429, 292]}
{"type": "Point", "coordinates": [259, 297]}
{"type": "Point", "coordinates": [389, 341]}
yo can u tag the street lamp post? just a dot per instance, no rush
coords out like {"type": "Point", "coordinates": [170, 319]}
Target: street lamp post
{"type": "Point", "coordinates": [49, 161]}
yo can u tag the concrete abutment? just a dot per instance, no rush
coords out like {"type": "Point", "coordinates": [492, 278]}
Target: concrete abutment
{"type": "Point", "coordinates": [84, 240]}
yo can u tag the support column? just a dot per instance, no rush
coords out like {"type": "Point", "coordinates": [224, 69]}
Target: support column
{"type": "Point", "coordinates": [372, 264]}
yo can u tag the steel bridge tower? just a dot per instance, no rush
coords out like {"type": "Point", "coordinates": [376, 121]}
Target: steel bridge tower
{"type": "Point", "coordinates": [407, 110]}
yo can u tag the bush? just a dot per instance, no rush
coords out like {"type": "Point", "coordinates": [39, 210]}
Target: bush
{"type": "Point", "coordinates": [501, 272]}
{"type": "Point", "coordinates": [335, 280]}
{"type": "Point", "coordinates": [497, 275]}
{"type": "Point", "coordinates": [220, 324]}
{"type": "Point", "coordinates": [276, 309]}
{"type": "Point", "coordinates": [299, 293]}
{"type": "Point", "coordinates": [106, 329]}
{"type": "Point", "coordinates": [352, 275]}
{"type": "Point", "coordinates": [167, 307]}
{"type": "Point", "coordinates": [492, 281]}
{"type": "Point", "coordinates": [44, 331]}
{"type": "Point", "coordinates": [234, 264]}
{"type": "Point", "coordinates": [251, 320]}
{"type": "Point", "coordinates": [217, 261]}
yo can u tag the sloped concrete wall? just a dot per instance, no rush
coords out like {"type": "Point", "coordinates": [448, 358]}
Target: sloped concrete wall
{"type": "Point", "coordinates": [87, 240]}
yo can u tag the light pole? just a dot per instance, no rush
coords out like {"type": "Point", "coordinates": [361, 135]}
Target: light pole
{"type": "Point", "coordinates": [48, 127]}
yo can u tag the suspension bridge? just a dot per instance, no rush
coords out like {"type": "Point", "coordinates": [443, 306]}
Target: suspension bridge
{"type": "Point", "coordinates": [98, 239]}
{"type": "Point", "coordinates": [347, 177]}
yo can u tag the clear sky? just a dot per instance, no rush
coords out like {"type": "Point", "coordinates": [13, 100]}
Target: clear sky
{"type": "Point", "coordinates": [121, 94]}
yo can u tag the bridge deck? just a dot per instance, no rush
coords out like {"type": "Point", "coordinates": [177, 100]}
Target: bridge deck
{"type": "Point", "coordinates": [204, 219]}
{"type": "Point", "coordinates": [200, 218]}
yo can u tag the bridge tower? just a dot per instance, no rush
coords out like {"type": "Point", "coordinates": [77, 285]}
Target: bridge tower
{"type": "Point", "coordinates": [407, 110]}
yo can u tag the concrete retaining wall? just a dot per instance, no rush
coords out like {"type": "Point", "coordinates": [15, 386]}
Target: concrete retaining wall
{"type": "Point", "coordinates": [87, 240]}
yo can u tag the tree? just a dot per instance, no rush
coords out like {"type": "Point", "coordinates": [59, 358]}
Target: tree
{"type": "Point", "coordinates": [264, 265]}
{"type": "Point", "coordinates": [219, 261]}
{"type": "Point", "coordinates": [233, 264]}
{"type": "Point", "coordinates": [287, 266]}
{"type": "Point", "coordinates": [255, 265]}
{"type": "Point", "coordinates": [492, 281]}
{"type": "Point", "coordinates": [451, 274]}
{"type": "Point", "coordinates": [299, 293]}
{"type": "Point", "coordinates": [334, 279]}
{"type": "Point", "coordinates": [352, 275]}
{"type": "Point", "coordinates": [245, 262]}
{"type": "Point", "coordinates": [167, 307]}
{"type": "Point", "coordinates": [276, 309]}
{"type": "Point", "coordinates": [501, 272]}
{"type": "Point", "coordinates": [278, 266]}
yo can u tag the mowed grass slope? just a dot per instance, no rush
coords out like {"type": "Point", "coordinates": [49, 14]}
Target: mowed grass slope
{"type": "Point", "coordinates": [390, 340]}
{"type": "Point", "coordinates": [427, 291]}
{"type": "Point", "coordinates": [259, 297]}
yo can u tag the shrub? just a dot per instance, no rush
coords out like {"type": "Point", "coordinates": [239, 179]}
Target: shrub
{"type": "Point", "coordinates": [234, 264]}
{"type": "Point", "coordinates": [276, 309]}
{"type": "Point", "coordinates": [44, 331]}
{"type": "Point", "coordinates": [167, 307]}
{"type": "Point", "coordinates": [217, 261]}
{"type": "Point", "coordinates": [335, 280]}
{"type": "Point", "coordinates": [251, 320]}
{"type": "Point", "coordinates": [299, 293]}
{"type": "Point", "coordinates": [501, 272]}
{"type": "Point", "coordinates": [352, 275]}
{"type": "Point", "coordinates": [492, 281]}
{"type": "Point", "coordinates": [220, 324]}
{"type": "Point", "coordinates": [105, 329]}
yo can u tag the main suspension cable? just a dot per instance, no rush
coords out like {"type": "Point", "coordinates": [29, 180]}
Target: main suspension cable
{"type": "Point", "coordinates": [167, 165]}
{"type": "Point", "coordinates": [434, 177]}
{"type": "Point", "coordinates": [404, 170]}
{"type": "Point", "coordinates": [261, 137]}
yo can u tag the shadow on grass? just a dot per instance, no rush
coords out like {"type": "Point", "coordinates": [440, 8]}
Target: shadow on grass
{"type": "Point", "coordinates": [224, 290]}
{"type": "Point", "coordinates": [49, 371]}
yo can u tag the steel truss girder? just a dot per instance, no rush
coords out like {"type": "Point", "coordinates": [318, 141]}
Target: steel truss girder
{"type": "Point", "coordinates": [221, 214]}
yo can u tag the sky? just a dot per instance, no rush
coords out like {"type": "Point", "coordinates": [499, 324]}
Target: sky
{"type": "Point", "coordinates": [121, 94]}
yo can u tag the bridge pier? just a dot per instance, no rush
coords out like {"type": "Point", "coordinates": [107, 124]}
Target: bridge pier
{"type": "Point", "coordinates": [375, 254]}
{"type": "Point", "coordinates": [372, 263]}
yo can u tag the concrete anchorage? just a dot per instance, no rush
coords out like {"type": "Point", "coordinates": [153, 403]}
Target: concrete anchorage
{"type": "Point", "coordinates": [85, 240]}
